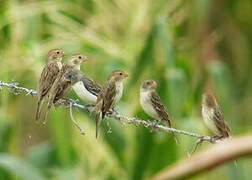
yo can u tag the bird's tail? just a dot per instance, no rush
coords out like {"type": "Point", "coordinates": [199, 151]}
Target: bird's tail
{"type": "Point", "coordinates": [38, 109]}
{"type": "Point", "coordinates": [48, 107]}
{"type": "Point", "coordinates": [98, 119]}
{"type": "Point", "coordinates": [168, 124]}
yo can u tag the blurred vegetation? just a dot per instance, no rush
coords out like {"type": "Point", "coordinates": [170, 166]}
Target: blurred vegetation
{"type": "Point", "coordinates": [186, 46]}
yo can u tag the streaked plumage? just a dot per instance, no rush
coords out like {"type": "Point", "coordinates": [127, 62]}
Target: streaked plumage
{"type": "Point", "coordinates": [71, 77]}
{"type": "Point", "coordinates": [213, 117]}
{"type": "Point", "coordinates": [62, 85]}
{"type": "Point", "coordinates": [48, 77]}
{"type": "Point", "coordinates": [87, 89]}
{"type": "Point", "coordinates": [109, 95]}
{"type": "Point", "coordinates": [151, 102]}
{"type": "Point", "coordinates": [153, 105]}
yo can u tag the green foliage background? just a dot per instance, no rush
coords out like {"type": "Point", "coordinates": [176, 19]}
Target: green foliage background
{"type": "Point", "coordinates": [185, 46]}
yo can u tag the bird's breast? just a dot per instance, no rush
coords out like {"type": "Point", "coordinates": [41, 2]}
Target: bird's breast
{"type": "Point", "coordinates": [145, 101]}
{"type": "Point", "coordinates": [209, 119]}
{"type": "Point", "coordinates": [83, 93]}
{"type": "Point", "coordinates": [119, 91]}
{"type": "Point", "coordinates": [59, 64]}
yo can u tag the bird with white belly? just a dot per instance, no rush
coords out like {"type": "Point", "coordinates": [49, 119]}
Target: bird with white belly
{"type": "Point", "coordinates": [213, 116]}
{"type": "Point", "coordinates": [87, 89]}
{"type": "Point", "coordinates": [152, 103]}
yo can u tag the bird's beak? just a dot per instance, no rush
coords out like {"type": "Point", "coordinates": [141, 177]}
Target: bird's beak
{"type": "Point", "coordinates": [61, 57]}
{"type": "Point", "coordinates": [85, 59]}
{"type": "Point", "coordinates": [126, 74]}
{"type": "Point", "coordinates": [154, 84]}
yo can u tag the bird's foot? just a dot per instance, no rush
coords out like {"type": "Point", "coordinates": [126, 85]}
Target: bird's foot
{"type": "Point", "coordinates": [30, 92]}
{"type": "Point", "coordinates": [112, 111]}
{"type": "Point", "coordinates": [59, 103]}
{"type": "Point", "coordinates": [215, 139]}
{"type": "Point", "coordinates": [90, 107]}
{"type": "Point", "coordinates": [66, 102]}
{"type": "Point", "coordinates": [154, 125]}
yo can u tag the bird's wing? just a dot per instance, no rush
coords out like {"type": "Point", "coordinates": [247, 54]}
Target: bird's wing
{"type": "Point", "coordinates": [160, 108]}
{"type": "Point", "coordinates": [47, 78]}
{"type": "Point", "coordinates": [220, 123]}
{"type": "Point", "coordinates": [59, 88]}
{"type": "Point", "coordinates": [63, 88]}
{"type": "Point", "coordinates": [108, 98]}
{"type": "Point", "coordinates": [61, 85]}
{"type": "Point", "coordinates": [93, 87]}
{"type": "Point", "coordinates": [104, 102]}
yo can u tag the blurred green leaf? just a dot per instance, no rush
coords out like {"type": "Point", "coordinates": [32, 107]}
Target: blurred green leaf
{"type": "Point", "coordinates": [144, 144]}
{"type": "Point", "coordinates": [145, 58]}
{"type": "Point", "coordinates": [19, 168]}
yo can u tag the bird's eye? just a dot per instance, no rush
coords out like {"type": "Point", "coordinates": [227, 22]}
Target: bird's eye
{"type": "Point", "coordinates": [79, 57]}
{"type": "Point", "coordinates": [120, 73]}
{"type": "Point", "coordinates": [57, 52]}
{"type": "Point", "coordinates": [148, 83]}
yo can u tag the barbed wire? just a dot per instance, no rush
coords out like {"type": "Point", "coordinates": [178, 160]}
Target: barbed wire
{"type": "Point", "coordinates": [15, 89]}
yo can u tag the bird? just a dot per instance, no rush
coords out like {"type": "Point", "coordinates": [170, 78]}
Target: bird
{"type": "Point", "coordinates": [213, 116]}
{"type": "Point", "coordinates": [47, 77]}
{"type": "Point", "coordinates": [109, 95]}
{"type": "Point", "coordinates": [152, 103]}
{"type": "Point", "coordinates": [62, 85]}
{"type": "Point", "coordinates": [87, 89]}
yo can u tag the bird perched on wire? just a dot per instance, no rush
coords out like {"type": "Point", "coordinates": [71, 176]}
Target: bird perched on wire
{"type": "Point", "coordinates": [213, 117]}
{"type": "Point", "coordinates": [109, 95]}
{"type": "Point", "coordinates": [47, 77]}
{"type": "Point", "coordinates": [152, 103]}
{"type": "Point", "coordinates": [87, 89]}
{"type": "Point", "coordinates": [62, 85]}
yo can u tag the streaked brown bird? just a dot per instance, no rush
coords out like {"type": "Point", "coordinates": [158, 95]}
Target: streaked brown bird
{"type": "Point", "coordinates": [62, 85]}
{"type": "Point", "coordinates": [47, 77]}
{"type": "Point", "coordinates": [213, 117]}
{"type": "Point", "coordinates": [152, 103]}
{"type": "Point", "coordinates": [110, 94]}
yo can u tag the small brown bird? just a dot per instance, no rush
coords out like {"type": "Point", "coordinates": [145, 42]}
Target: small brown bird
{"type": "Point", "coordinates": [110, 94]}
{"type": "Point", "coordinates": [152, 104]}
{"type": "Point", "coordinates": [48, 77]}
{"type": "Point", "coordinates": [213, 116]}
{"type": "Point", "coordinates": [62, 85]}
